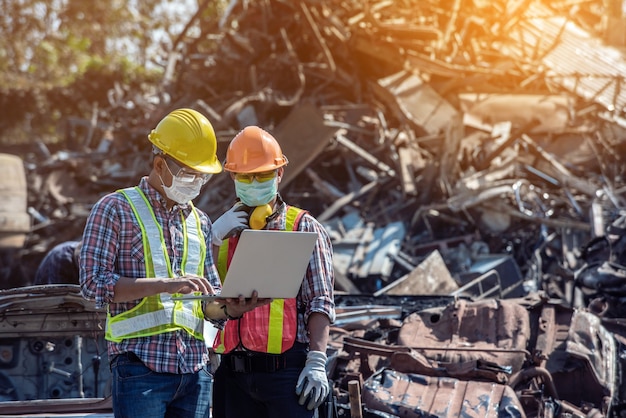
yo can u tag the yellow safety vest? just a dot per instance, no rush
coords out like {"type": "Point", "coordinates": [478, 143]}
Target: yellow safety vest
{"type": "Point", "coordinates": [270, 328]}
{"type": "Point", "coordinates": [159, 314]}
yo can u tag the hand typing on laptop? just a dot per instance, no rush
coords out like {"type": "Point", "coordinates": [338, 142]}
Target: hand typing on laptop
{"type": "Point", "coordinates": [188, 284]}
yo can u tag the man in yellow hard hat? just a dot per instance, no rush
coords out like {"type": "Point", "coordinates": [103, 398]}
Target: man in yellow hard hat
{"type": "Point", "coordinates": [141, 246]}
{"type": "Point", "coordinates": [273, 357]}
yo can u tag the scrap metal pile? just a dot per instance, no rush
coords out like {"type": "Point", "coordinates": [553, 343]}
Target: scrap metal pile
{"type": "Point", "coordinates": [469, 149]}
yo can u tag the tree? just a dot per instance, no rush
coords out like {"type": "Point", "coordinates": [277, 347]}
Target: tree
{"type": "Point", "coordinates": [59, 58]}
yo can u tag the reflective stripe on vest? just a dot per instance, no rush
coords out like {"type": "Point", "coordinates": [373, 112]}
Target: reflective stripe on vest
{"type": "Point", "coordinates": [193, 258]}
{"type": "Point", "coordinates": [271, 328]}
{"type": "Point", "coordinates": [159, 313]}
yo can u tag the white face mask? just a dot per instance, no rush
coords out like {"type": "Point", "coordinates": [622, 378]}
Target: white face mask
{"type": "Point", "coordinates": [185, 186]}
{"type": "Point", "coordinates": [182, 192]}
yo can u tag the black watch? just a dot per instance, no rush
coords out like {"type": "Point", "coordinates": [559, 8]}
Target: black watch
{"type": "Point", "coordinates": [228, 315]}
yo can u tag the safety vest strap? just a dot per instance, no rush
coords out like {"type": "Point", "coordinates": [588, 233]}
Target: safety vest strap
{"type": "Point", "coordinates": [275, 326]}
{"type": "Point", "coordinates": [151, 231]}
{"type": "Point", "coordinates": [195, 244]}
{"type": "Point", "coordinates": [293, 217]}
{"type": "Point", "coordinates": [223, 257]}
{"type": "Point", "coordinates": [143, 321]}
{"type": "Point", "coordinates": [167, 315]}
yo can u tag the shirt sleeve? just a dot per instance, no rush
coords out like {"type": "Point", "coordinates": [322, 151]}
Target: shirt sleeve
{"type": "Point", "coordinates": [99, 251]}
{"type": "Point", "coordinates": [317, 291]}
{"type": "Point", "coordinates": [210, 268]}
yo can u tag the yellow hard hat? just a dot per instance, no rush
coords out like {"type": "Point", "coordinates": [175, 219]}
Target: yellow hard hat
{"type": "Point", "coordinates": [188, 136]}
{"type": "Point", "coordinates": [253, 150]}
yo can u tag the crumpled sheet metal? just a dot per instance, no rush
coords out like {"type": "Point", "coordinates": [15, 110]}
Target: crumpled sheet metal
{"type": "Point", "coordinates": [577, 62]}
{"type": "Point", "coordinates": [580, 355]}
{"type": "Point", "coordinates": [500, 357]}
{"type": "Point", "coordinates": [408, 360]}
{"type": "Point", "coordinates": [492, 330]}
{"type": "Point", "coordinates": [413, 395]}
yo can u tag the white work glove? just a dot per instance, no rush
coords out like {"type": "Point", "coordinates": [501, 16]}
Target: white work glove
{"type": "Point", "coordinates": [313, 382]}
{"type": "Point", "coordinates": [233, 220]}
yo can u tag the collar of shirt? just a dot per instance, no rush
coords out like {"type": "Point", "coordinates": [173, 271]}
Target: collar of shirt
{"type": "Point", "coordinates": [278, 220]}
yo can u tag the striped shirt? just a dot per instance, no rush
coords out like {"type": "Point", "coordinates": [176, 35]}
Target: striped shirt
{"type": "Point", "coordinates": [316, 293]}
{"type": "Point", "coordinates": [113, 248]}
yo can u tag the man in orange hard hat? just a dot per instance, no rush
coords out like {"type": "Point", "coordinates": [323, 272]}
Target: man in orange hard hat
{"type": "Point", "coordinates": [273, 357]}
{"type": "Point", "coordinates": [143, 245]}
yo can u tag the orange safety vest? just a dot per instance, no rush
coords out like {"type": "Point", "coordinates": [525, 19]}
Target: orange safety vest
{"type": "Point", "coordinates": [270, 328]}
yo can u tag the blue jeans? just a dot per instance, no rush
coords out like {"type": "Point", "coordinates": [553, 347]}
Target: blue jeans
{"type": "Point", "coordinates": [258, 395]}
{"type": "Point", "coordinates": [139, 392]}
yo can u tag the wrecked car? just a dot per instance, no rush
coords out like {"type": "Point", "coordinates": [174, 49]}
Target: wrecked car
{"type": "Point", "coordinates": [53, 355]}
{"type": "Point", "coordinates": [527, 357]}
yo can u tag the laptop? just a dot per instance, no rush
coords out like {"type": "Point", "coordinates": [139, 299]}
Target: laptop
{"type": "Point", "coordinates": [271, 262]}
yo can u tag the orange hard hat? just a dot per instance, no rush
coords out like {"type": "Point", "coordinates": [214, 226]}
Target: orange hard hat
{"type": "Point", "coordinates": [253, 150]}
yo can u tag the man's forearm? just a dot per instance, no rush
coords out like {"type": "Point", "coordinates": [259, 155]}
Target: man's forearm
{"type": "Point", "coordinates": [128, 289]}
{"type": "Point", "coordinates": [319, 328]}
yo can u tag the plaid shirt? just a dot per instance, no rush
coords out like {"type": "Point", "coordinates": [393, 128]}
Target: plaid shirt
{"type": "Point", "coordinates": [316, 293]}
{"type": "Point", "coordinates": [112, 248]}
